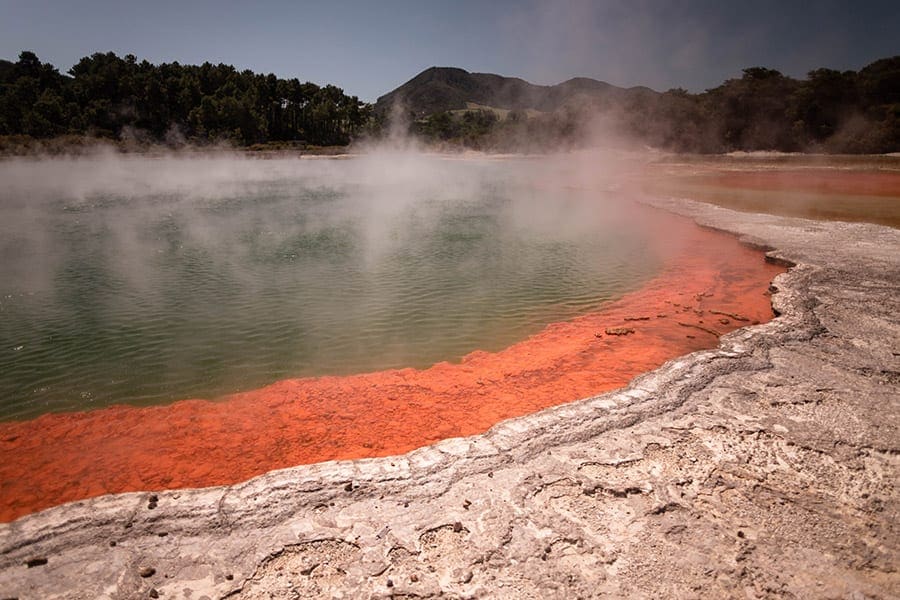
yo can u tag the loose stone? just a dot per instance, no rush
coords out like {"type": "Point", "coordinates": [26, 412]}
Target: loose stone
{"type": "Point", "coordinates": [619, 330]}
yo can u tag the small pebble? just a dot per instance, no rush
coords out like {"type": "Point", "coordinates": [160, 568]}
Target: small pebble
{"type": "Point", "coordinates": [154, 593]}
{"type": "Point", "coordinates": [390, 582]}
{"type": "Point", "coordinates": [112, 543]}
{"type": "Point", "coordinates": [466, 504]}
{"type": "Point", "coordinates": [229, 576]}
{"type": "Point", "coordinates": [414, 578]}
{"type": "Point", "coordinates": [147, 572]}
{"type": "Point", "coordinates": [457, 527]}
{"type": "Point", "coordinates": [619, 330]}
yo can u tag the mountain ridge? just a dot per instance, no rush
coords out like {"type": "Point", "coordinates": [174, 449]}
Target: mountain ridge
{"type": "Point", "coordinates": [440, 89]}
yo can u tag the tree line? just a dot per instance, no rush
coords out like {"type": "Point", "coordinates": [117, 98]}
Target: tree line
{"type": "Point", "coordinates": [108, 96]}
{"type": "Point", "coordinates": [114, 97]}
{"type": "Point", "coordinates": [829, 111]}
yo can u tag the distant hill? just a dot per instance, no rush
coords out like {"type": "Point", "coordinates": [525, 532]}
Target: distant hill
{"type": "Point", "coordinates": [136, 102]}
{"type": "Point", "coordinates": [829, 111]}
{"type": "Point", "coordinates": [440, 89]}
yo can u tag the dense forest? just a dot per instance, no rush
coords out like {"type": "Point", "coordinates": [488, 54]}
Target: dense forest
{"type": "Point", "coordinates": [829, 111]}
{"type": "Point", "coordinates": [107, 96]}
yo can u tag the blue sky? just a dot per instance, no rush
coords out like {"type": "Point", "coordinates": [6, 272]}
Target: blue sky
{"type": "Point", "coordinates": [368, 48]}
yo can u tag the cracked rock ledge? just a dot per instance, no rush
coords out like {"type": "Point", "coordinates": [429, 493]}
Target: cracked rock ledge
{"type": "Point", "coordinates": [765, 468]}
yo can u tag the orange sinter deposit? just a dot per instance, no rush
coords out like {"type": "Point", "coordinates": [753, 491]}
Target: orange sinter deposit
{"type": "Point", "coordinates": [819, 181]}
{"type": "Point", "coordinates": [709, 284]}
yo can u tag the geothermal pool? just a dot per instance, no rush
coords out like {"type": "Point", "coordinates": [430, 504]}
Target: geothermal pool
{"type": "Point", "coordinates": [172, 322]}
{"type": "Point", "coordinates": [147, 280]}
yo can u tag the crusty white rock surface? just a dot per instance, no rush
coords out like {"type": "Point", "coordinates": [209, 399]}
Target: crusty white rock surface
{"type": "Point", "coordinates": [765, 468]}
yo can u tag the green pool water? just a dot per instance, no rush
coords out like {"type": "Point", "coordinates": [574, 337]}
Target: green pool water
{"type": "Point", "coordinates": [144, 280]}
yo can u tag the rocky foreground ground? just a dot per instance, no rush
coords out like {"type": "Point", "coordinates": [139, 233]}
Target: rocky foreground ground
{"type": "Point", "coordinates": [766, 468]}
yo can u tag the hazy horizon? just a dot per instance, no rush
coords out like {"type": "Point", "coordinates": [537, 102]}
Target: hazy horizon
{"type": "Point", "coordinates": [370, 49]}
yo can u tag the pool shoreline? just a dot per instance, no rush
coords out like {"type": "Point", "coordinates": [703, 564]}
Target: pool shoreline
{"type": "Point", "coordinates": [711, 287]}
{"type": "Point", "coordinates": [764, 464]}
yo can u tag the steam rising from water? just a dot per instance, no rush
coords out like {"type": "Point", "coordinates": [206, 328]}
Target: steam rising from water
{"type": "Point", "coordinates": [146, 279]}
